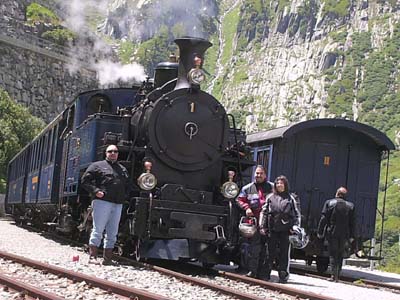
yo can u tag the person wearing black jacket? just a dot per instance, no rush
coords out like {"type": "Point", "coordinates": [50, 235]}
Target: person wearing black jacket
{"type": "Point", "coordinates": [108, 183]}
{"type": "Point", "coordinates": [279, 215]}
{"type": "Point", "coordinates": [337, 225]}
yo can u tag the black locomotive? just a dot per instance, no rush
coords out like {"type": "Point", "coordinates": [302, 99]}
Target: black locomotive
{"type": "Point", "coordinates": [177, 142]}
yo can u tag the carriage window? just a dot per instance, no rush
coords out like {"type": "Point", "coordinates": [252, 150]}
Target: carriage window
{"type": "Point", "coordinates": [45, 148]}
{"type": "Point", "coordinates": [36, 157]}
{"type": "Point", "coordinates": [54, 145]}
{"type": "Point", "coordinates": [32, 162]}
{"type": "Point", "coordinates": [21, 172]}
{"type": "Point", "coordinates": [263, 156]}
{"type": "Point", "coordinates": [41, 152]}
{"type": "Point", "coordinates": [50, 146]}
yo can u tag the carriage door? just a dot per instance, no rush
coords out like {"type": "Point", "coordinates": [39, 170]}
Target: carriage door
{"type": "Point", "coordinates": [322, 185]}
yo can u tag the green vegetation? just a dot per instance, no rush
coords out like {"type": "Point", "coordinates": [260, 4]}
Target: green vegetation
{"type": "Point", "coordinates": [390, 247]}
{"type": "Point", "coordinates": [250, 23]}
{"type": "Point", "coordinates": [230, 24]}
{"type": "Point", "coordinates": [35, 13]}
{"type": "Point", "coordinates": [51, 29]}
{"type": "Point", "coordinates": [342, 93]}
{"type": "Point", "coordinates": [125, 52]}
{"type": "Point", "coordinates": [17, 128]}
{"type": "Point", "coordinates": [156, 50]}
{"type": "Point", "coordinates": [339, 36]}
{"type": "Point", "coordinates": [336, 8]}
{"type": "Point", "coordinates": [59, 36]}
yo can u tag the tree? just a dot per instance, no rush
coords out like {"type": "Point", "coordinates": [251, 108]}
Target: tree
{"type": "Point", "coordinates": [17, 128]}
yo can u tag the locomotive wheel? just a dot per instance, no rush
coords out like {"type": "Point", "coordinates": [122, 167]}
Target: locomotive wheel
{"type": "Point", "coordinates": [322, 264]}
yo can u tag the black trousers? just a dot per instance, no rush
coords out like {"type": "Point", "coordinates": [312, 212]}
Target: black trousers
{"type": "Point", "coordinates": [337, 249]}
{"type": "Point", "coordinates": [279, 251]}
{"type": "Point", "coordinates": [257, 260]}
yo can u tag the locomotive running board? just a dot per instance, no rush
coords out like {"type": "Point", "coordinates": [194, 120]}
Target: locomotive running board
{"type": "Point", "coordinates": [193, 226]}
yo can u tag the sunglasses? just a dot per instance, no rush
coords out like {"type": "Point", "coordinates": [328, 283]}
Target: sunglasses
{"type": "Point", "coordinates": [112, 151]}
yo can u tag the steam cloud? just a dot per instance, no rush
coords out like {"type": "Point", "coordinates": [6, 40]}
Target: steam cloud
{"type": "Point", "coordinates": [186, 12]}
{"type": "Point", "coordinates": [109, 72]}
{"type": "Point", "coordinates": [122, 16]}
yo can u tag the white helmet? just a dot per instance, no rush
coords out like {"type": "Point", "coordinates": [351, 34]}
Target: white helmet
{"type": "Point", "coordinates": [298, 238]}
{"type": "Point", "coordinates": [248, 227]}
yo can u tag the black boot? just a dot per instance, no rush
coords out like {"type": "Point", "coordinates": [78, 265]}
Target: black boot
{"type": "Point", "coordinates": [93, 252]}
{"type": "Point", "coordinates": [283, 276]}
{"type": "Point", "coordinates": [107, 255]}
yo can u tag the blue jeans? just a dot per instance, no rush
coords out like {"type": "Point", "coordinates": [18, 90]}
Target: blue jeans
{"type": "Point", "coordinates": [106, 216]}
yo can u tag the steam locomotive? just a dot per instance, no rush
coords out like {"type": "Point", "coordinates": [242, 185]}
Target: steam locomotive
{"type": "Point", "coordinates": [180, 146]}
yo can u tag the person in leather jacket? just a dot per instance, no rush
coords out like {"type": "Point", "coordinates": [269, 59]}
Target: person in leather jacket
{"type": "Point", "coordinates": [108, 183]}
{"type": "Point", "coordinates": [279, 215]}
{"type": "Point", "coordinates": [251, 199]}
{"type": "Point", "coordinates": [337, 224]}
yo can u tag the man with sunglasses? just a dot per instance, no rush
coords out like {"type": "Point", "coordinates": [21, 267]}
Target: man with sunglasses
{"type": "Point", "coordinates": [108, 183]}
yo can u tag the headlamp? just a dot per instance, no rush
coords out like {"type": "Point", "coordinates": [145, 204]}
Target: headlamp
{"type": "Point", "coordinates": [147, 181]}
{"type": "Point", "coordinates": [230, 190]}
{"type": "Point", "coordinates": [196, 76]}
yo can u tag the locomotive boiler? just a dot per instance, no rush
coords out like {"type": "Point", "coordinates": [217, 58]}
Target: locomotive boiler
{"type": "Point", "coordinates": [180, 146]}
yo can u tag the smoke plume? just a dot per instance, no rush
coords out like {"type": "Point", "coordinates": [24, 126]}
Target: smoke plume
{"type": "Point", "coordinates": [90, 51]}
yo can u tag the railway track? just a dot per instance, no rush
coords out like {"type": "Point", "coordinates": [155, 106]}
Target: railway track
{"type": "Point", "coordinates": [210, 284]}
{"type": "Point", "coordinates": [347, 279]}
{"type": "Point", "coordinates": [231, 284]}
{"type": "Point", "coordinates": [270, 286]}
{"type": "Point", "coordinates": [121, 291]}
{"type": "Point", "coordinates": [20, 290]}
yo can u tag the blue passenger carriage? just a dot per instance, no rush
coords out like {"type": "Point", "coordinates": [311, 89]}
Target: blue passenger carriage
{"type": "Point", "coordinates": [318, 156]}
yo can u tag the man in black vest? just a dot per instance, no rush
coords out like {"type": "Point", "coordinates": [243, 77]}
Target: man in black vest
{"type": "Point", "coordinates": [337, 225]}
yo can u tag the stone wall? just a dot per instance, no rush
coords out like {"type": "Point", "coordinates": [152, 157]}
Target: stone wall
{"type": "Point", "coordinates": [40, 81]}
{"type": "Point", "coordinates": [35, 72]}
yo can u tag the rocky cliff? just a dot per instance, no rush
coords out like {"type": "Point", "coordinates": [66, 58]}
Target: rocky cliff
{"type": "Point", "coordinates": [295, 60]}
{"type": "Point", "coordinates": [276, 62]}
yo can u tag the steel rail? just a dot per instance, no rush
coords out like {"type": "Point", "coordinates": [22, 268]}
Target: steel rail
{"type": "Point", "coordinates": [97, 282]}
{"type": "Point", "coordinates": [276, 287]}
{"type": "Point", "coordinates": [27, 289]}
{"type": "Point", "coordinates": [346, 279]}
{"type": "Point", "coordinates": [265, 284]}
{"type": "Point", "coordinates": [197, 281]}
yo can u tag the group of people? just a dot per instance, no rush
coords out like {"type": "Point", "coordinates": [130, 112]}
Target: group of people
{"type": "Point", "coordinates": [276, 214]}
{"type": "Point", "coordinates": [274, 211]}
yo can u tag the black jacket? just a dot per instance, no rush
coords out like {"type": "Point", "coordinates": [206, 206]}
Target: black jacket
{"type": "Point", "coordinates": [110, 178]}
{"type": "Point", "coordinates": [337, 219]}
{"type": "Point", "coordinates": [280, 212]}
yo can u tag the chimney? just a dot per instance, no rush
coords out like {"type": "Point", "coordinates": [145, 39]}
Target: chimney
{"type": "Point", "coordinates": [190, 50]}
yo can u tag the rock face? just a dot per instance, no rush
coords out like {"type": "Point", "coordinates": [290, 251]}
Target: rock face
{"type": "Point", "coordinates": [295, 45]}
{"type": "Point", "coordinates": [279, 62]}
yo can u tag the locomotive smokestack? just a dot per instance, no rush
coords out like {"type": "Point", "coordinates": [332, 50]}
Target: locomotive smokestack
{"type": "Point", "coordinates": [191, 57]}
